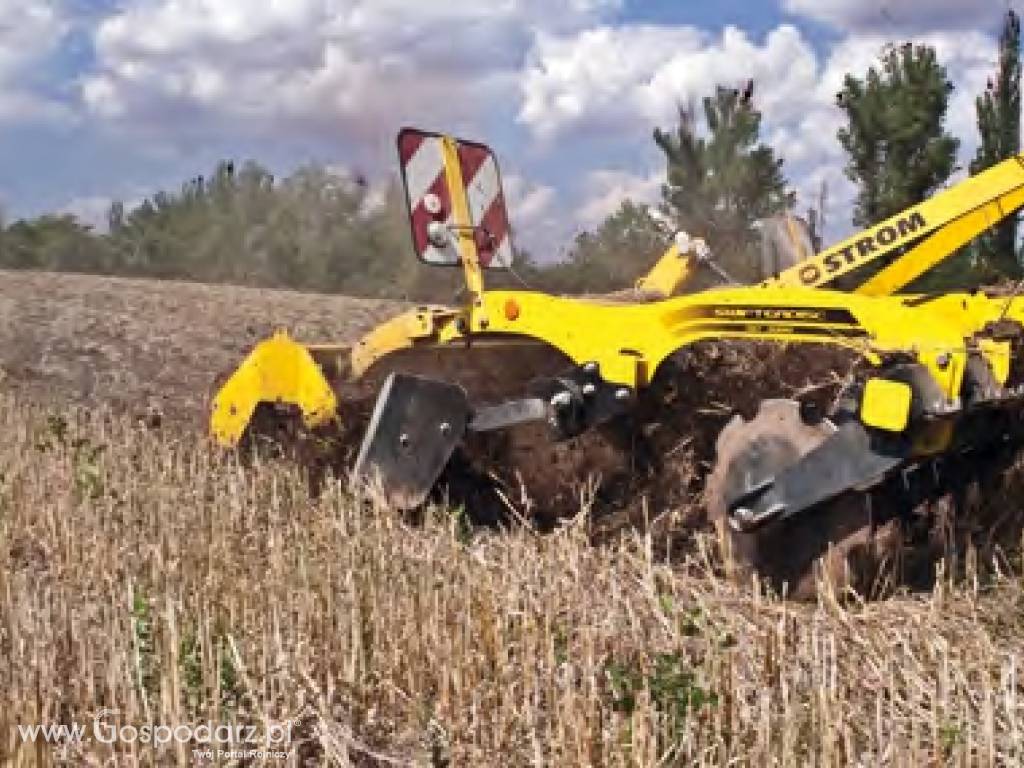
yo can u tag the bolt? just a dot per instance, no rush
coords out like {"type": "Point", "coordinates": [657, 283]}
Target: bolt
{"type": "Point", "coordinates": [744, 514]}
{"type": "Point", "coordinates": [432, 203]}
{"type": "Point", "coordinates": [445, 428]}
{"type": "Point", "coordinates": [553, 421]}
{"type": "Point", "coordinates": [589, 389]}
{"type": "Point", "coordinates": [437, 234]}
{"type": "Point", "coordinates": [590, 367]}
{"type": "Point", "coordinates": [561, 399]}
{"type": "Point", "coordinates": [622, 394]}
{"type": "Point", "coordinates": [942, 360]}
{"type": "Point", "coordinates": [403, 440]}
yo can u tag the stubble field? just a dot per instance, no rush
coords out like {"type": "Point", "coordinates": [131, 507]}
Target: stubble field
{"type": "Point", "coordinates": [143, 572]}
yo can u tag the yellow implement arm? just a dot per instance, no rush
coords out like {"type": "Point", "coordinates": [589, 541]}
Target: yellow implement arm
{"type": "Point", "coordinates": [676, 267]}
{"type": "Point", "coordinates": [932, 230]}
{"type": "Point", "coordinates": [629, 343]}
{"type": "Point", "coordinates": [924, 235]}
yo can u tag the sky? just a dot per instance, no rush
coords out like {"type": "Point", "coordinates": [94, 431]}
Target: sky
{"type": "Point", "coordinates": [103, 100]}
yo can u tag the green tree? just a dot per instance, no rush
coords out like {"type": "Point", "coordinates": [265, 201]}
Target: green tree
{"type": "Point", "coordinates": [59, 243]}
{"type": "Point", "coordinates": [898, 149]}
{"type": "Point", "coordinates": [998, 110]}
{"type": "Point", "coordinates": [610, 258]}
{"type": "Point", "coordinates": [718, 186]}
{"type": "Point", "coordinates": [314, 230]}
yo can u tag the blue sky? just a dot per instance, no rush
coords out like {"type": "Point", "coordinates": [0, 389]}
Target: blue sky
{"type": "Point", "coordinates": [103, 100]}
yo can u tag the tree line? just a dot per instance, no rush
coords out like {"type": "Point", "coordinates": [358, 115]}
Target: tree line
{"type": "Point", "coordinates": [316, 230]}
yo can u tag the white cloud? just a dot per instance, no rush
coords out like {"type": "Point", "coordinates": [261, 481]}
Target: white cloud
{"type": "Point", "coordinates": [536, 214]}
{"type": "Point", "coordinates": [91, 211]}
{"type": "Point", "coordinates": [609, 77]}
{"type": "Point", "coordinates": [571, 86]}
{"type": "Point", "coordinates": [605, 191]}
{"type": "Point", "coordinates": [616, 82]}
{"type": "Point", "coordinates": [209, 72]}
{"type": "Point", "coordinates": [29, 32]}
{"type": "Point", "coordinates": [527, 202]}
{"type": "Point", "coordinates": [545, 219]}
{"type": "Point", "coordinates": [888, 17]}
{"type": "Point", "coordinates": [94, 210]}
{"type": "Point", "coordinates": [353, 69]}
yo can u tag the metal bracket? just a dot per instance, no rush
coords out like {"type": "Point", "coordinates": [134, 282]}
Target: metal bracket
{"type": "Point", "coordinates": [416, 425]}
{"type": "Point", "coordinates": [852, 457]}
{"type": "Point", "coordinates": [508, 414]}
{"type": "Point", "coordinates": [581, 400]}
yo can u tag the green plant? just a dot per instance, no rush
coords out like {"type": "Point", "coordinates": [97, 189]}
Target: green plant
{"type": "Point", "coordinates": [672, 686]}
{"type": "Point", "coordinates": [88, 468]}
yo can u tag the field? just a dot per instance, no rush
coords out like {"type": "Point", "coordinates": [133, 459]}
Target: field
{"type": "Point", "coordinates": [140, 345]}
{"type": "Point", "coordinates": [143, 572]}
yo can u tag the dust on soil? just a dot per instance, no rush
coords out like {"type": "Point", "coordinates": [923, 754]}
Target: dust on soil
{"type": "Point", "coordinates": [149, 346]}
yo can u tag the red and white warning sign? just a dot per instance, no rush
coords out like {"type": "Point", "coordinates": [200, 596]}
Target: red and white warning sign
{"type": "Point", "coordinates": [430, 200]}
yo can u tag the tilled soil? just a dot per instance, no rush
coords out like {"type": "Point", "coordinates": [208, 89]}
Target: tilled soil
{"type": "Point", "coordinates": [629, 471]}
{"type": "Point", "coordinates": [654, 460]}
{"type": "Point", "coordinates": [148, 347]}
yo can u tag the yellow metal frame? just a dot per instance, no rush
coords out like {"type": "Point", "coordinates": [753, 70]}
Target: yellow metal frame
{"type": "Point", "coordinates": [928, 233]}
{"type": "Point", "coordinates": [278, 370]}
{"type": "Point", "coordinates": [672, 270]}
{"type": "Point", "coordinates": [461, 219]}
{"type": "Point", "coordinates": [630, 341]}
{"type": "Point", "coordinates": [933, 230]}
{"type": "Point", "coordinates": [939, 246]}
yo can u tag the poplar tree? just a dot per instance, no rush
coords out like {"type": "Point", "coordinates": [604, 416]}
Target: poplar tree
{"type": "Point", "coordinates": [998, 110]}
{"type": "Point", "coordinates": [899, 152]}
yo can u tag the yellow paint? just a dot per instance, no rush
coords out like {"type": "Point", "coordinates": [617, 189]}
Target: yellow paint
{"type": "Point", "coordinates": [630, 341]}
{"type": "Point", "coordinates": [948, 219]}
{"type": "Point", "coordinates": [997, 353]}
{"type": "Point", "coordinates": [278, 370]}
{"type": "Point", "coordinates": [400, 332]}
{"type": "Point", "coordinates": [886, 404]}
{"type": "Point", "coordinates": [942, 244]}
{"type": "Point", "coordinates": [670, 272]}
{"type": "Point", "coordinates": [461, 218]}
